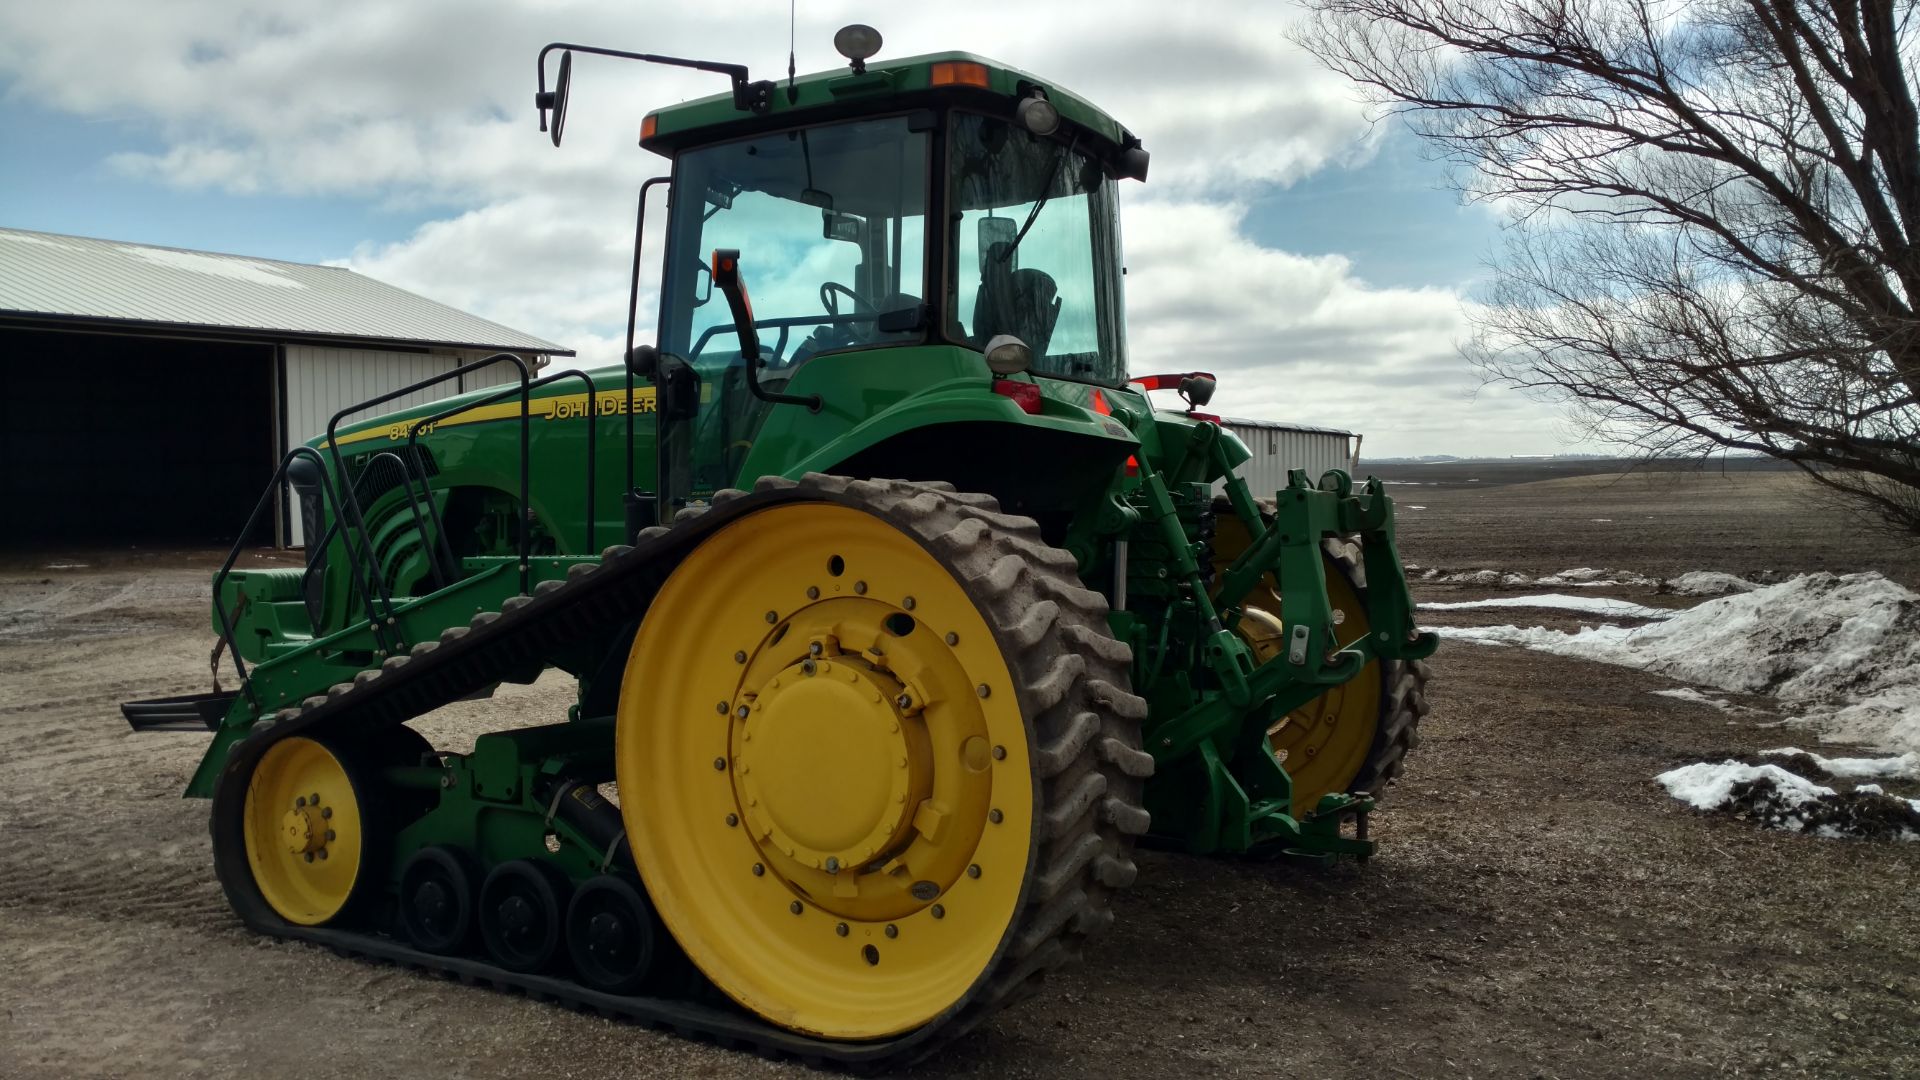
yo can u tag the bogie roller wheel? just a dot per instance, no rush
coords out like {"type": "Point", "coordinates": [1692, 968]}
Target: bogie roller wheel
{"type": "Point", "coordinates": [1356, 736]}
{"type": "Point", "coordinates": [437, 899]}
{"type": "Point", "coordinates": [611, 936]}
{"type": "Point", "coordinates": [523, 907]}
{"type": "Point", "coordinates": [311, 831]}
{"type": "Point", "coordinates": [882, 760]}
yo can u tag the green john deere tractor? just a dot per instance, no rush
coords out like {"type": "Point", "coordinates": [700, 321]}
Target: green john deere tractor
{"type": "Point", "coordinates": [897, 612]}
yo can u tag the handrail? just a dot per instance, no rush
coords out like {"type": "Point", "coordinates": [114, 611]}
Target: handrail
{"type": "Point", "coordinates": [631, 498]}
{"type": "Point", "coordinates": [233, 556]}
{"type": "Point", "coordinates": [593, 410]}
{"type": "Point", "coordinates": [358, 521]}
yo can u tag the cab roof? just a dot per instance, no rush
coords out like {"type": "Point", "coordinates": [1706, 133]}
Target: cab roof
{"type": "Point", "coordinates": [899, 83]}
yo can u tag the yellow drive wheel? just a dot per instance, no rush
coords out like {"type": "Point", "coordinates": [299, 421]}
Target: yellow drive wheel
{"type": "Point", "coordinates": [827, 776]}
{"type": "Point", "coordinates": [1354, 736]}
{"type": "Point", "coordinates": [304, 830]}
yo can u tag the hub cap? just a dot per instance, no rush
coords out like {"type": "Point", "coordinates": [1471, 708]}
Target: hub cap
{"type": "Point", "coordinates": [302, 830]}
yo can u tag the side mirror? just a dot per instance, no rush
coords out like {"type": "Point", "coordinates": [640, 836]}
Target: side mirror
{"type": "Point", "coordinates": [1133, 163]}
{"type": "Point", "coordinates": [555, 100]}
{"type": "Point", "coordinates": [996, 230]}
{"type": "Point", "coordinates": [1197, 389]}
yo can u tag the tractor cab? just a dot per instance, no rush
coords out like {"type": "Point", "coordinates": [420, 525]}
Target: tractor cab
{"type": "Point", "coordinates": [894, 225]}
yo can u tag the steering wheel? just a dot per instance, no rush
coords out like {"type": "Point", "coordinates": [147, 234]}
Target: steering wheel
{"type": "Point", "coordinates": [827, 291]}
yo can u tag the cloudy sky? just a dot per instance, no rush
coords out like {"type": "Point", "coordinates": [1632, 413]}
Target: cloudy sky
{"type": "Point", "coordinates": [1315, 261]}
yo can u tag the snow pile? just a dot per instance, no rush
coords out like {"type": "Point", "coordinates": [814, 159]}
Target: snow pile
{"type": "Point", "coordinates": [1843, 648]}
{"type": "Point", "coordinates": [1582, 577]}
{"type": "Point", "coordinates": [1690, 695]}
{"type": "Point", "coordinates": [1709, 583]}
{"type": "Point", "coordinates": [1777, 799]}
{"type": "Point", "coordinates": [1904, 767]}
{"type": "Point", "coordinates": [1586, 605]}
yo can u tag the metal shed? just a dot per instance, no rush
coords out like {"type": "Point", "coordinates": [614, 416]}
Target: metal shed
{"type": "Point", "coordinates": [151, 390]}
{"type": "Point", "coordinates": [1277, 447]}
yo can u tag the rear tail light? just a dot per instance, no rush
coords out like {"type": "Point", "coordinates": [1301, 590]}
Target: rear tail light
{"type": "Point", "coordinates": [1024, 394]}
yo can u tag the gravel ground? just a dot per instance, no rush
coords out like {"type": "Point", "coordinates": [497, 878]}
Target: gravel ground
{"type": "Point", "coordinates": [1539, 908]}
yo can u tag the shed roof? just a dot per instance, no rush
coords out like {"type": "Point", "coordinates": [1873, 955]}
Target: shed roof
{"type": "Point", "coordinates": [1281, 425]}
{"type": "Point", "coordinates": [75, 278]}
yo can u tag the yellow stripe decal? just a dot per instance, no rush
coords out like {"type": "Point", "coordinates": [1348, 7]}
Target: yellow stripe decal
{"type": "Point", "coordinates": [559, 407]}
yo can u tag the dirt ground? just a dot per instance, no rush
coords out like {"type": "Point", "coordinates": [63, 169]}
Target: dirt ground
{"type": "Point", "coordinates": [1540, 907]}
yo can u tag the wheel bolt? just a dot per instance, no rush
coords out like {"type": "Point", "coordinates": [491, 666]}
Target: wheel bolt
{"type": "Point", "coordinates": [719, 764]}
{"type": "Point", "coordinates": [904, 701]}
{"type": "Point", "coordinates": [892, 930]}
{"type": "Point", "coordinates": [841, 929]}
{"type": "Point", "coordinates": [300, 802]}
{"type": "Point", "coordinates": [773, 617]}
{"type": "Point", "coordinates": [939, 911]}
{"type": "Point", "coordinates": [995, 816]}
{"type": "Point", "coordinates": [721, 708]}
{"type": "Point", "coordinates": [795, 907]}
{"type": "Point", "coordinates": [973, 871]}
{"type": "Point", "coordinates": [813, 592]}
{"type": "Point", "coordinates": [833, 865]}
{"type": "Point", "coordinates": [808, 667]}
{"type": "Point", "coordinates": [860, 587]}
{"type": "Point", "coordinates": [758, 869]}
{"type": "Point", "coordinates": [323, 854]}
{"type": "Point", "coordinates": [740, 657]}
{"type": "Point", "coordinates": [985, 690]}
{"type": "Point", "coordinates": [733, 820]}
{"type": "Point", "coordinates": [999, 753]}
{"type": "Point", "coordinates": [742, 712]}
{"type": "Point", "coordinates": [330, 835]}
{"type": "Point", "coordinates": [953, 638]}
{"type": "Point", "coordinates": [326, 811]}
{"type": "Point", "coordinates": [907, 603]}
{"type": "Point", "coordinates": [309, 856]}
{"type": "Point", "coordinates": [314, 799]}
{"type": "Point", "coordinates": [815, 649]}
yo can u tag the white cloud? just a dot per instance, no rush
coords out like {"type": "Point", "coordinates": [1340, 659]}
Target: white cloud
{"type": "Point", "coordinates": [428, 103]}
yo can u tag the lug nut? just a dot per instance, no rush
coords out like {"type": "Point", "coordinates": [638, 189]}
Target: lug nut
{"type": "Point", "coordinates": [841, 929]}
{"type": "Point", "coordinates": [326, 811]}
{"type": "Point", "coordinates": [808, 667]}
{"type": "Point", "coordinates": [721, 708]}
{"type": "Point", "coordinates": [813, 592]}
{"type": "Point", "coordinates": [739, 658]}
{"type": "Point", "coordinates": [953, 638]}
{"type": "Point", "coordinates": [330, 835]}
{"type": "Point", "coordinates": [939, 911]}
{"type": "Point", "coordinates": [733, 820]}
{"type": "Point", "coordinates": [719, 764]}
{"type": "Point", "coordinates": [758, 870]}
{"type": "Point", "coordinates": [833, 865]}
{"type": "Point", "coordinates": [860, 587]}
{"type": "Point", "coordinates": [742, 712]}
{"type": "Point", "coordinates": [973, 871]}
{"type": "Point", "coordinates": [999, 753]}
{"type": "Point", "coordinates": [815, 649]}
{"type": "Point", "coordinates": [773, 616]}
{"type": "Point", "coordinates": [904, 701]}
{"type": "Point", "coordinates": [907, 603]}
{"type": "Point", "coordinates": [795, 907]}
{"type": "Point", "coordinates": [995, 816]}
{"type": "Point", "coordinates": [892, 930]}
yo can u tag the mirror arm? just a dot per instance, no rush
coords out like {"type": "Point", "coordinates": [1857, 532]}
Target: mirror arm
{"type": "Point", "coordinates": [726, 276]}
{"type": "Point", "coordinates": [747, 96]}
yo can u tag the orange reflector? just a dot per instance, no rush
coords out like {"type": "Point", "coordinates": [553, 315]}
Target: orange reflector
{"type": "Point", "coordinates": [649, 125]}
{"type": "Point", "coordinates": [960, 73]}
{"type": "Point", "coordinates": [1100, 404]}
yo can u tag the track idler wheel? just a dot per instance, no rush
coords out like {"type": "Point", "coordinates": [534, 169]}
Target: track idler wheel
{"type": "Point", "coordinates": [611, 936]}
{"type": "Point", "coordinates": [437, 899]}
{"type": "Point", "coordinates": [312, 831]}
{"type": "Point", "coordinates": [522, 906]}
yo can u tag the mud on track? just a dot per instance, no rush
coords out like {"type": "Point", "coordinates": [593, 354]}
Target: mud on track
{"type": "Point", "coordinates": [1540, 907]}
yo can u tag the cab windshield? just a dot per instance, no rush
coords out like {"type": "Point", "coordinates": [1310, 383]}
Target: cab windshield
{"type": "Point", "coordinates": [830, 225]}
{"type": "Point", "coordinates": [1034, 250]}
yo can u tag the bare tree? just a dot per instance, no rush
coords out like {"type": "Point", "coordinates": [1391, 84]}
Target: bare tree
{"type": "Point", "coordinates": [1717, 205]}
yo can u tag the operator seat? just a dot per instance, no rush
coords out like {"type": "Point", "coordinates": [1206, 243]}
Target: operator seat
{"type": "Point", "coordinates": [1024, 303]}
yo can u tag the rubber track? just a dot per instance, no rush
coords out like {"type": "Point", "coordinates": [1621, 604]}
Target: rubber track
{"type": "Point", "coordinates": [1072, 682]}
